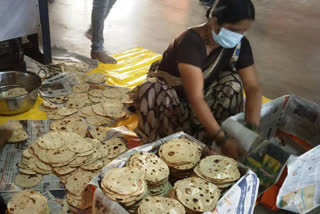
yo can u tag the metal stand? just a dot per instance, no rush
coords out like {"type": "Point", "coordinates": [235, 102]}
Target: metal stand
{"type": "Point", "coordinates": [32, 49]}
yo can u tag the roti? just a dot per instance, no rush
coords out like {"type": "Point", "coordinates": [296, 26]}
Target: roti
{"type": "Point", "coordinates": [114, 110]}
{"type": "Point", "coordinates": [99, 110]}
{"type": "Point", "coordinates": [66, 111]}
{"type": "Point", "coordinates": [197, 194]}
{"type": "Point", "coordinates": [116, 146]}
{"type": "Point", "coordinates": [96, 92]}
{"type": "Point", "coordinates": [88, 111]}
{"type": "Point", "coordinates": [54, 115]}
{"type": "Point", "coordinates": [28, 202]}
{"type": "Point", "coordinates": [218, 168]}
{"type": "Point", "coordinates": [59, 99]}
{"type": "Point", "coordinates": [49, 105]}
{"type": "Point", "coordinates": [96, 78]}
{"type": "Point", "coordinates": [180, 151]}
{"type": "Point", "coordinates": [99, 133]}
{"type": "Point", "coordinates": [64, 170]}
{"type": "Point", "coordinates": [26, 181]}
{"type": "Point", "coordinates": [18, 136]}
{"type": "Point", "coordinates": [155, 168]}
{"type": "Point", "coordinates": [84, 87]}
{"type": "Point", "coordinates": [51, 140]}
{"type": "Point", "coordinates": [160, 205]}
{"type": "Point", "coordinates": [99, 120]}
{"type": "Point", "coordinates": [70, 125]}
{"type": "Point", "coordinates": [14, 92]}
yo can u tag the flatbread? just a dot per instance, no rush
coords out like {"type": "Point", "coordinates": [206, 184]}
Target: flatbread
{"type": "Point", "coordinates": [218, 168]}
{"type": "Point", "coordinates": [99, 133]}
{"type": "Point", "coordinates": [116, 146]}
{"type": "Point", "coordinates": [197, 194]}
{"type": "Point", "coordinates": [27, 153]}
{"type": "Point", "coordinates": [93, 166]}
{"type": "Point", "coordinates": [99, 121]}
{"type": "Point", "coordinates": [99, 110]}
{"type": "Point", "coordinates": [78, 161]}
{"type": "Point", "coordinates": [49, 105]}
{"type": "Point", "coordinates": [60, 155]}
{"type": "Point", "coordinates": [87, 111]}
{"type": "Point", "coordinates": [155, 168]}
{"type": "Point", "coordinates": [160, 205]}
{"type": "Point", "coordinates": [45, 109]}
{"type": "Point", "coordinates": [51, 140]}
{"type": "Point", "coordinates": [18, 136]}
{"type": "Point", "coordinates": [59, 99]}
{"type": "Point", "coordinates": [54, 115]}
{"type": "Point", "coordinates": [116, 92]}
{"type": "Point", "coordinates": [28, 202]}
{"type": "Point", "coordinates": [124, 180]}
{"type": "Point", "coordinates": [27, 171]}
{"type": "Point", "coordinates": [95, 143]}
{"type": "Point", "coordinates": [95, 99]}
{"type": "Point", "coordinates": [96, 93]}
{"type": "Point", "coordinates": [77, 144]}
{"type": "Point", "coordinates": [14, 92]}
{"type": "Point", "coordinates": [63, 170]}
{"type": "Point", "coordinates": [96, 78]}
{"type": "Point", "coordinates": [66, 111]}
{"type": "Point", "coordinates": [179, 152]}
{"type": "Point", "coordinates": [80, 88]}
{"type": "Point", "coordinates": [73, 201]}
{"type": "Point", "coordinates": [76, 183]}
{"type": "Point", "coordinates": [79, 100]}
{"type": "Point", "coordinates": [70, 125]}
{"type": "Point", "coordinates": [24, 180]}
{"type": "Point", "coordinates": [113, 110]}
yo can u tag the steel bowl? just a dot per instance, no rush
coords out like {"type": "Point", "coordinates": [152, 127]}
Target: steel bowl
{"type": "Point", "coordinates": [19, 104]}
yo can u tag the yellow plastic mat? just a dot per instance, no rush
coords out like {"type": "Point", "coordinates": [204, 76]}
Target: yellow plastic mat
{"type": "Point", "coordinates": [33, 114]}
{"type": "Point", "coordinates": [130, 71]}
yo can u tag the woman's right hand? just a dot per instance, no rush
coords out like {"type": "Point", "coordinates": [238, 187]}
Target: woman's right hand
{"type": "Point", "coordinates": [232, 149]}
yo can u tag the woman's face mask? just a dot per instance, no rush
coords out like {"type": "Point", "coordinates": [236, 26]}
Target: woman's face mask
{"type": "Point", "coordinates": [227, 38]}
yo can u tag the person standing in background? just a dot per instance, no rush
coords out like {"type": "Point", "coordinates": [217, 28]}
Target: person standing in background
{"type": "Point", "coordinates": [100, 11]}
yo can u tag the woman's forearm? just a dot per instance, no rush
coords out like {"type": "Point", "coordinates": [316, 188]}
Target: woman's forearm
{"type": "Point", "coordinates": [253, 106]}
{"type": "Point", "coordinates": [205, 116]}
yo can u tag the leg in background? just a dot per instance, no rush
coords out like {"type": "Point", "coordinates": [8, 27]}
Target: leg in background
{"type": "Point", "coordinates": [100, 10]}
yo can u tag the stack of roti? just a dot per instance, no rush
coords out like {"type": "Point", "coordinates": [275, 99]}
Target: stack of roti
{"type": "Point", "coordinates": [219, 170]}
{"type": "Point", "coordinates": [18, 133]}
{"type": "Point", "coordinates": [160, 205]}
{"type": "Point", "coordinates": [74, 159]}
{"type": "Point", "coordinates": [100, 107]}
{"type": "Point", "coordinates": [126, 186]}
{"type": "Point", "coordinates": [28, 202]}
{"type": "Point", "coordinates": [196, 194]}
{"type": "Point", "coordinates": [157, 172]}
{"type": "Point", "coordinates": [181, 155]}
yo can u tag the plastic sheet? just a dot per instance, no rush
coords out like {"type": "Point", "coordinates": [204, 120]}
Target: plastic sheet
{"type": "Point", "coordinates": [131, 69]}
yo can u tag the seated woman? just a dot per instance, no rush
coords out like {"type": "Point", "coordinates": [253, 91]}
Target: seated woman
{"type": "Point", "coordinates": [200, 80]}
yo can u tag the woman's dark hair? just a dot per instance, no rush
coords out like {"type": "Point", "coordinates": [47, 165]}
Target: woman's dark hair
{"type": "Point", "coordinates": [232, 11]}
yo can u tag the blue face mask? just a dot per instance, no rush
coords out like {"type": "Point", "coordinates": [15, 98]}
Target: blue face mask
{"type": "Point", "coordinates": [227, 38]}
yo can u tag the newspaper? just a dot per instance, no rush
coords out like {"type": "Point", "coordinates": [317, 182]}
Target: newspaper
{"type": "Point", "coordinates": [283, 121]}
{"type": "Point", "coordinates": [300, 193]}
{"type": "Point", "coordinates": [11, 154]}
{"type": "Point", "coordinates": [58, 84]}
{"type": "Point", "coordinates": [240, 198]}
